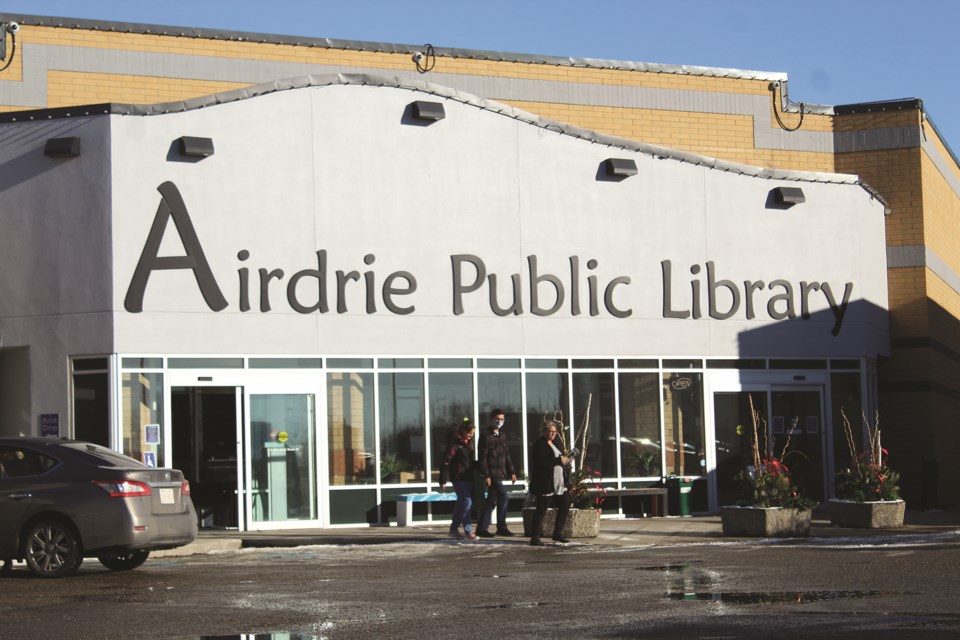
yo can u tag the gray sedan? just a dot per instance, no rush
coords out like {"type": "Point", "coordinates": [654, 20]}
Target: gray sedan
{"type": "Point", "coordinates": [63, 500]}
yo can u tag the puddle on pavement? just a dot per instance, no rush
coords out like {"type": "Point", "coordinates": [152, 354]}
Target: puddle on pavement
{"type": "Point", "coordinates": [277, 635]}
{"type": "Point", "coordinates": [671, 567]}
{"type": "Point", "coordinates": [780, 597]}
{"type": "Point", "coordinates": [514, 605]}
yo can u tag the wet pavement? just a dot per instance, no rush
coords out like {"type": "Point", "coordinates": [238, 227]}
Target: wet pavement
{"type": "Point", "coordinates": [627, 532]}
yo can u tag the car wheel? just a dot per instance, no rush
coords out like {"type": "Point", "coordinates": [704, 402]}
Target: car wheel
{"type": "Point", "coordinates": [52, 549]}
{"type": "Point", "coordinates": [123, 560]}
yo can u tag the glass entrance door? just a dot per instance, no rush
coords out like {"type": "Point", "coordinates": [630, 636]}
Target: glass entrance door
{"type": "Point", "coordinates": [733, 413]}
{"type": "Point", "coordinates": [798, 415]}
{"type": "Point", "coordinates": [280, 440]}
{"type": "Point", "coordinates": [789, 418]}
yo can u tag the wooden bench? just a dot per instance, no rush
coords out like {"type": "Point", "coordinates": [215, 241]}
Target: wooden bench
{"type": "Point", "coordinates": [405, 502]}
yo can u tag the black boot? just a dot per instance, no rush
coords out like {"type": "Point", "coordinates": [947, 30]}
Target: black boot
{"type": "Point", "coordinates": [558, 537]}
{"type": "Point", "coordinates": [536, 542]}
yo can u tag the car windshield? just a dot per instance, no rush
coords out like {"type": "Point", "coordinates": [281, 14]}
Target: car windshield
{"type": "Point", "coordinates": [104, 456]}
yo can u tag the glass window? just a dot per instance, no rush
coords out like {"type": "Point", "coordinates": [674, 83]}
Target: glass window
{"type": "Point", "coordinates": [638, 364]}
{"type": "Point", "coordinates": [205, 363]}
{"type": "Point", "coordinates": [451, 400]}
{"type": "Point", "coordinates": [90, 364]}
{"type": "Point", "coordinates": [450, 363]}
{"type": "Point", "coordinates": [736, 364]}
{"type": "Point", "coordinates": [141, 363]}
{"type": "Point", "coordinates": [286, 363]}
{"type": "Point", "coordinates": [350, 363]}
{"type": "Point", "coordinates": [853, 365]}
{"type": "Point", "coordinates": [592, 364]}
{"type": "Point", "coordinates": [596, 389]}
{"type": "Point", "coordinates": [17, 462]}
{"type": "Point", "coordinates": [640, 443]}
{"type": "Point", "coordinates": [400, 363]}
{"type": "Point", "coordinates": [142, 408]}
{"type": "Point", "coordinates": [91, 407]}
{"type": "Point", "coordinates": [498, 363]}
{"type": "Point", "coordinates": [502, 391]}
{"type": "Point", "coordinates": [682, 364]}
{"type": "Point", "coordinates": [350, 506]}
{"type": "Point", "coordinates": [683, 423]}
{"type": "Point", "coordinates": [545, 363]}
{"type": "Point", "coordinates": [402, 427]}
{"type": "Point", "coordinates": [845, 394]}
{"type": "Point", "coordinates": [547, 394]}
{"type": "Point", "coordinates": [350, 427]}
{"type": "Point", "coordinates": [798, 364]}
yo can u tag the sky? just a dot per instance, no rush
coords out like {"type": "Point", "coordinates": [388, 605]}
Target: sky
{"type": "Point", "coordinates": [833, 51]}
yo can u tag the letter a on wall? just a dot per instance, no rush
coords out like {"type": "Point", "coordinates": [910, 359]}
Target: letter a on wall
{"type": "Point", "coordinates": [172, 206]}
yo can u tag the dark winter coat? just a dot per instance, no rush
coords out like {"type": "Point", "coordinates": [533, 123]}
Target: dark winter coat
{"type": "Point", "coordinates": [458, 463]}
{"type": "Point", "coordinates": [542, 462]}
{"type": "Point", "coordinates": [495, 459]}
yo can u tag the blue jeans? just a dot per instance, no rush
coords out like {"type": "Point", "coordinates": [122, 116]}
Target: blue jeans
{"type": "Point", "coordinates": [496, 498]}
{"type": "Point", "coordinates": [461, 512]}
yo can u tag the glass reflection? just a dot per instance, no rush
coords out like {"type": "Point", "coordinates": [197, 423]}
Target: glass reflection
{"type": "Point", "coordinates": [402, 421]}
{"type": "Point", "coordinates": [683, 423]}
{"type": "Point", "coordinates": [640, 442]}
{"type": "Point", "coordinates": [350, 422]}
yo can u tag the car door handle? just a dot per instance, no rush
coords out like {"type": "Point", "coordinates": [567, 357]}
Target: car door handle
{"type": "Point", "coordinates": [20, 496]}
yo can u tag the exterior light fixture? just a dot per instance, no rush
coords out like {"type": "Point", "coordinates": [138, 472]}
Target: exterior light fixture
{"type": "Point", "coordinates": [62, 148]}
{"type": "Point", "coordinates": [432, 111]}
{"type": "Point", "coordinates": [195, 147]}
{"type": "Point", "coordinates": [789, 196]}
{"type": "Point", "coordinates": [620, 167]}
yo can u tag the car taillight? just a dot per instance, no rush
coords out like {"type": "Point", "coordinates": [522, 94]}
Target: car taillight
{"type": "Point", "coordinates": [123, 488]}
{"type": "Point", "coordinates": [185, 489]}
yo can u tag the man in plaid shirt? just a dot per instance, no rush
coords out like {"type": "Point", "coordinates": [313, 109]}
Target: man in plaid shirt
{"type": "Point", "coordinates": [496, 466]}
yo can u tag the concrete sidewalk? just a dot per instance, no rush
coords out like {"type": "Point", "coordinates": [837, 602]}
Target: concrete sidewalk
{"type": "Point", "coordinates": [630, 532]}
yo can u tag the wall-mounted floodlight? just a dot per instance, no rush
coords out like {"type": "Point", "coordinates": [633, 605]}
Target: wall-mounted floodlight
{"type": "Point", "coordinates": [620, 167]}
{"type": "Point", "coordinates": [789, 196]}
{"type": "Point", "coordinates": [62, 148]}
{"type": "Point", "coordinates": [423, 110]}
{"type": "Point", "coordinates": [195, 147]}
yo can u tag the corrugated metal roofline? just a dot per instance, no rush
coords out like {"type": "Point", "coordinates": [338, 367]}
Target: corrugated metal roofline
{"type": "Point", "coordinates": [383, 47]}
{"type": "Point", "coordinates": [274, 86]}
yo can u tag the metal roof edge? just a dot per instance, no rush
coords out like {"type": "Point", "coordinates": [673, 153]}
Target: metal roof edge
{"type": "Point", "coordinates": [383, 47]}
{"type": "Point", "coordinates": [443, 92]}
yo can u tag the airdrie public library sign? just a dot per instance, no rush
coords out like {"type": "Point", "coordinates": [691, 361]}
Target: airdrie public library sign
{"type": "Point", "coordinates": [699, 292]}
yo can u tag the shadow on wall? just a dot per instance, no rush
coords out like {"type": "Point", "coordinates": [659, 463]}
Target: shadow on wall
{"type": "Point", "coordinates": [919, 405]}
{"type": "Point", "coordinates": [23, 145]}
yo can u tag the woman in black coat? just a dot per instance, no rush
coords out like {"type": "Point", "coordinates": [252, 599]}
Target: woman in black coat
{"type": "Point", "coordinates": [546, 483]}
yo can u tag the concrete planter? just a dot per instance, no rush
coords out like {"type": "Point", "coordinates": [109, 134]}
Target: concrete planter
{"type": "Point", "coordinates": [769, 522]}
{"type": "Point", "coordinates": [887, 514]}
{"type": "Point", "coordinates": [581, 523]}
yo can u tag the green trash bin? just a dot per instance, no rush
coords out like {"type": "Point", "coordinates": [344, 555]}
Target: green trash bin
{"type": "Point", "coordinates": [678, 495]}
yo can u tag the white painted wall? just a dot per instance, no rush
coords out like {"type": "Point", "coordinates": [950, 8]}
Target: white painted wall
{"type": "Point", "coordinates": [342, 169]}
{"type": "Point", "coordinates": [55, 263]}
{"type": "Point", "coordinates": [335, 168]}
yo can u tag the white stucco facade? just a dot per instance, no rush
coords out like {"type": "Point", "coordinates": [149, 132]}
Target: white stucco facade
{"type": "Point", "coordinates": [385, 223]}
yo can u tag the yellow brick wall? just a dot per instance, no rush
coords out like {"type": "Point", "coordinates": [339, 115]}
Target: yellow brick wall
{"type": "Point", "coordinates": [728, 137]}
{"type": "Point", "coordinates": [877, 120]}
{"type": "Point", "coordinates": [908, 305]}
{"type": "Point", "coordinates": [317, 55]}
{"type": "Point", "coordinates": [70, 88]}
{"type": "Point", "coordinates": [895, 173]}
{"type": "Point", "coordinates": [941, 214]}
